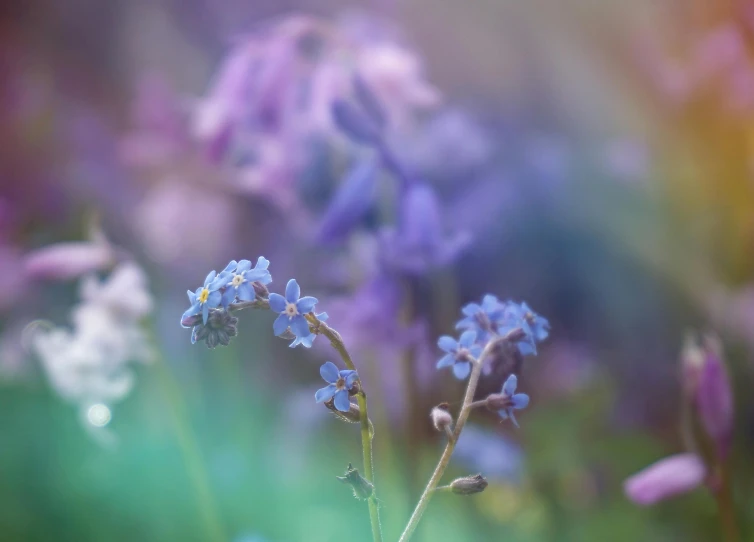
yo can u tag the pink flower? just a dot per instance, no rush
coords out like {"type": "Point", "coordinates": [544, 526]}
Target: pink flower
{"type": "Point", "coordinates": [65, 261]}
{"type": "Point", "coordinates": [666, 478]}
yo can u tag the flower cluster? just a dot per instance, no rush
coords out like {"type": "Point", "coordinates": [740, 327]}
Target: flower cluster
{"type": "Point", "coordinates": [493, 321]}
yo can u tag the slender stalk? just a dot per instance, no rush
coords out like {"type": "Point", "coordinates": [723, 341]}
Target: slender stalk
{"type": "Point", "coordinates": [366, 437]}
{"type": "Point", "coordinates": [463, 415]}
{"type": "Point", "coordinates": [724, 498]}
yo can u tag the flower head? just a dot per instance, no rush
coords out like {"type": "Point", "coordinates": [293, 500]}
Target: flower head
{"type": "Point", "coordinates": [482, 318]}
{"type": "Point", "coordinates": [460, 353]}
{"type": "Point", "coordinates": [205, 297]}
{"type": "Point", "coordinates": [666, 478]}
{"type": "Point", "coordinates": [509, 400]}
{"type": "Point", "coordinates": [536, 328]}
{"type": "Point", "coordinates": [340, 383]}
{"type": "Point", "coordinates": [241, 278]}
{"type": "Point", "coordinates": [292, 309]}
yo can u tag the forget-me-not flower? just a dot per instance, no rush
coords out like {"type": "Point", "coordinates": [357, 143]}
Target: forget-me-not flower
{"type": "Point", "coordinates": [483, 318]}
{"type": "Point", "coordinates": [459, 353]}
{"type": "Point", "coordinates": [292, 309]}
{"type": "Point", "coordinates": [536, 328]}
{"type": "Point", "coordinates": [513, 400]}
{"type": "Point", "coordinates": [206, 297]}
{"type": "Point", "coordinates": [339, 384]}
{"type": "Point", "coordinates": [240, 278]}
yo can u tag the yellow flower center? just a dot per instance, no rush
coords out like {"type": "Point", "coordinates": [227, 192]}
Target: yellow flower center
{"type": "Point", "coordinates": [203, 295]}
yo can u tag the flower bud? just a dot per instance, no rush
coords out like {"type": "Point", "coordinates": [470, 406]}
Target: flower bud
{"type": "Point", "coordinates": [498, 401]}
{"type": "Point", "coordinates": [362, 488]}
{"type": "Point", "coordinates": [352, 416]}
{"type": "Point", "coordinates": [441, 418]}
{"type": "Point", "coordinates": [260, 290]}
{"type": "Point", "coordinates": [220, 327]}
{"type": "Point", "coordinates": [714, 397]}
{"type": "Point", "coordinates": [668, 477]}
{"type": "Point", "coordinates": [468, 485]}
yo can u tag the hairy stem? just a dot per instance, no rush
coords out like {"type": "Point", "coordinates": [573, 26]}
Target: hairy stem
{"type": "Point", "coordinates": [336, 341]}
{"type": "Point", "coordinates": [463, 415]}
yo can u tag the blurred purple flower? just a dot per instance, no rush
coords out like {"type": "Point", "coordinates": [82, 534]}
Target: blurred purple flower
{"type": "Point", "coordinates": [492, 454]}
{"type": "Point", "coordinates": [420, 243]}
{"type": "Point", "coordinates": [666, 478]}
{"type": "Point", "coordinates": [354, 198]}
{"type": "Point", "coordinates": [714, 398]}
{"type": "Point", "coordinates": [65, 261]}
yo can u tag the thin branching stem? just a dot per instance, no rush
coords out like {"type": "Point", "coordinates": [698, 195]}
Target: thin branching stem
{"type": "Point", "coordinates": [336, 341]}
{"type": "Point", "coordinates": [466, 408]}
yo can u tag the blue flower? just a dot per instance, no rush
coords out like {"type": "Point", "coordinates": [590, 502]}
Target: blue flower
{"type": "Point", "coordinates": [484, 318]}
{"type": "Point", "coordinates": [240, 276]}
{"type": "Point", "coordinates": [309, 339]}
{"type": "Point", "coordinates": [536, 328]}
{"type": "Point", "coordinates": [205, 298]}
{"type": "Point", "coordinates": [339, 384]}
{"type": "Point", "coordinates": [292, 310]}
{"type": "Point", "coordinates": [459, 353]}
{"type": "Point", "coordinates": [515, 401]}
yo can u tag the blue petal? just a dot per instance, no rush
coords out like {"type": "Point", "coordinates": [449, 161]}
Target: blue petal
{"type": "Point", "coordinates": [255, 274]}
{"type": "Point", "coordinates": [447, 343]}
{"type": "Point", "coordinates": [210, 277]}
{"type": "Point", "coordinates": [280, 324]}
{"type": "Point", "coordinates": [462, 369]}
{"type": "Point", "coordinates": [322, 316]}
{"type": "Point", "coordinates": [205, 313]}
{"type": "Point", "coordinates": [229, 296]}
{"type": "Point", "coordinates": [191, 296]}
{"type": "Point", "coordinates": [193, 335]}
{"type": "Point", "coordinates": [476, 351]}
{"type": "Point", "coordinates": [369, 101]}
{"type": "Point", "coordinates": [520, 400]}
{"type": "Point", "coordinates": [351, 377]}
{"type": "Point", "coordinates": [503, 414]}
{"type": "Point", "coordinates": [306, 342]}
{"type": "Point", "coordinates": [341, 401]}
{"type": "Point", "coordinates": [467, 338]}
{"type": "Point", "coordinates": [219, 282]}
{"type": "Point", "coordinates": [526, 348]}
{"type": "Point", "coordinates": [262, 263]}
{"type": "Point", "coordinates": [300, 326]}
{"type": "Point", "coordinates": [329, 372]}
{"type": "Point", "coordinates": [471, 309]}
{"type": "Point", "coordinates": [243, 265]}
{"type": "Point", "coordinates": [292, 291]}
{"type": "Point", "coordinates": [246, 292]}
{"type": "Point", "coordinates": [446, 361]}
{"type": "Point", "coordinates": [306, 304]}
{"type": "Point", "coordinates": [214, 299]}
{"type": "Point", "coordinates": [323, 394]}
{"type": "Point", "coordinates": [351, 202]}
{"type": "Point", "coordinates": [513, 417]}
{"type": "Point", "coordinates": [509, 388]}
{"type": "Point", "coordinates": [230, 267]}
{"type": "Point", "coordinates": [277, 302]}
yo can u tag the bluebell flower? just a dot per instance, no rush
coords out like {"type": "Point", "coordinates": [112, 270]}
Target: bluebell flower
{"type": "Point", "coordinates": [354, 123]}
{"type": "Point", "coordinates": [340, 383]}
{"type": "Point", "coordinates": [205, 298]}
{"type": "Point", "coordinates": [459, 353]}
{"type": "Point", "coordinates": [510, 400]}
{"type": "Point", "coordinates": [484, 318]}
{"type": "Point", "coordinates": [308, 341]}
{"type": "Point", "coordinates": [240, 278]}
{"type": "Point", "coordinates": [292, 310]}
{"type": "Point", "coordinates": [536, 328]}
{"type": "Point", "coordinates": [352, 201]}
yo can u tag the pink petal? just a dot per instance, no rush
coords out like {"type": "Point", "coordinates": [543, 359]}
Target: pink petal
{"type": "Point", "coordinates": [668, 477]}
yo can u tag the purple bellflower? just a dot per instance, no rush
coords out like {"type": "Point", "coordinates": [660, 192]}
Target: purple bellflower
{"type": "Point", "coordinates": [340, 383]}
{"type": "Point", "coordinates": [666, 478]}
{"type": "Point", "coordinates": [460, 353]}
{"type": "Point", "coordinates": [351, 202]}
{"type": "Point", "coordinates": [292, 309]}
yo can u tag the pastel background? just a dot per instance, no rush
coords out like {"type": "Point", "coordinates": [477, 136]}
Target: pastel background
{"type": "Point", "coordinates": [595, 159]}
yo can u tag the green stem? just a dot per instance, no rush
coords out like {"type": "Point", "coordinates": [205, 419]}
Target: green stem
{"type": "Point", "coordinates": [724, 498]}
{"type": "Point", "coordinates": [463, 415]}
{"type": "Point", "coordinates": [366, 437]}
{"type": "Point", "coordinates": [192, 456]}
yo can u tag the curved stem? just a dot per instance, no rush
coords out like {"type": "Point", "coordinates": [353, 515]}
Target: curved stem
{"type": "Point", "coordinates": [466, 408]}
{"type": "Point", "coordinates": [336, 341]}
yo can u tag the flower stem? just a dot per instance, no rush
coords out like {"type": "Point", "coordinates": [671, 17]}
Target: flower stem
{"type": "Point", "coordinates": [366, 436]}
{"type": "Point", "coordinates": [724, 498]}
{"type": "Point", "coordinates": [466, 408]}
